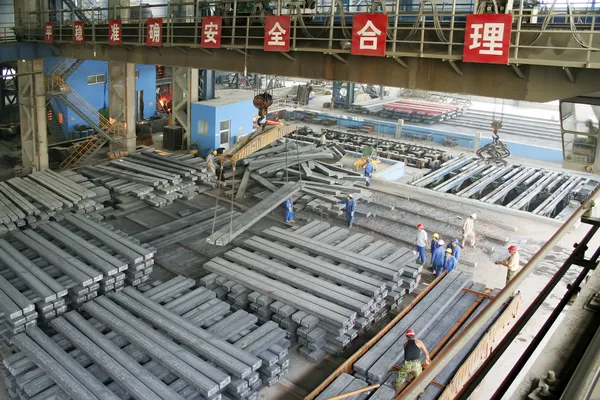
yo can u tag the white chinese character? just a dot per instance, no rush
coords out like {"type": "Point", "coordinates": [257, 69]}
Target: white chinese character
{"type": "Point", "coordinates": [49, 31]}
{"type": "Point", "coordinates": [78, 33]}
{"type": "Point", "coordinates": [210, 31]}
{"type": "Point", "coordinates": [490, 41]}
{"type": "Point", "coordinates": [115, 34]}
{"type": "Point", "coordinates": [276, 34]}
{"type": "Point", "coordinates": [368, 36]}
{"type": "Point", "coordinates": [154, 33]}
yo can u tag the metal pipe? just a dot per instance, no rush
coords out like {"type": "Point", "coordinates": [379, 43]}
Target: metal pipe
{"type": "Point", "coordinates": [419, 384]}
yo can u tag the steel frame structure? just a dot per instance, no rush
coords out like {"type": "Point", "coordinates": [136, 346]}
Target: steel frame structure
{"type": "Point", "coordinates": [437, 34]}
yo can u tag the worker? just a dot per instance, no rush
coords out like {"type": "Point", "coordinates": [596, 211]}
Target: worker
{"type": "Point", "coordinates": [412, 358]}
{"type": "Point", "coordinates": [437, 257]}
{"type": "Point", "coordinates": [469, 230]}
{"type": "Point", "coordinates": [262, 121]}
{"type": "Point", "coordinates": [455, 249]}
{"type": "Point", "coordinates": [289, 212]}
{"type": "Point", "coordinates": [350, 207]}
{"type": "Point", "coordinates": [369, 168]}
{"type": "Point", "coordinates": [421, 243]}
{"type": "Point", "coordinates": [512, 263]}
{"type": "Point", "coordinates": [449, 263]}
{"type": "Point", "coordinates": [434, 241]}
{"type": "Point", "coordinates": [210, 161]}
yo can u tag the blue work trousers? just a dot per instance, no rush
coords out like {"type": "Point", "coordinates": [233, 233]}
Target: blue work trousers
{"type": "Point", "coordinates": [350, 220]}
{"type": "Point", "coordinates": [421, 251]}
{"type": "Point", "coordinates": [289, 216]}
{"type": "Point", "coordinates": [368, 180]}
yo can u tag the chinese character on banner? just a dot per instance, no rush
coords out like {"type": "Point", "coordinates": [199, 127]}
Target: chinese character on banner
{"type": "Point", "coordinates": [78, 36]}
{"type": "Point", "coordinates": [211, 32]}
{"type": "Point", "coordinates": [277, 33]}
{"type": "Point", "coordinates": [154, 35]}
{"type": "Point", "coordinates": [49, 33]}
{"type": "Point", "coordinates": [487, 38]}
{"type": "Point", "coordinates": [369, 34]}
{"type": "Point", "coordinates": [115, 31]}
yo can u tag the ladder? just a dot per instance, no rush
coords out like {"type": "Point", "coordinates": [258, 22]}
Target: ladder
{"type": "Point", "coordinates": [54, 125]}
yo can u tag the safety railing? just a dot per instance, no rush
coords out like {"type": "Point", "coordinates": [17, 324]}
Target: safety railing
{"type": "Point", "coordinates": [424, 29]}
{"type": "Point", "coordinates": [7, 34]}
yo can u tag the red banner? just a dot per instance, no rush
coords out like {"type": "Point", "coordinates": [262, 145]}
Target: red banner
{"type": "Point", "coordinates": [487, 38]}
{"type": "Point", "coordinates": [277, 33]}
{"type": "Point", "coordinates": [369, 34]}
{"type": "Point", "coordinates": [49, 33]}
{"type": "Point", "coordinates": [79, 32]}
{"type": "Point", "coordinates": [115, 31]}
{"type": "Point", "coordinates": [211, 32]}
{"type": "Point", "coordinates": [154, 32]}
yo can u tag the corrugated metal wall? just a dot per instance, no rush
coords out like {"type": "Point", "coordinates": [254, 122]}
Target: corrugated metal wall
{"type": "Point", "coordinates": [7, 10]}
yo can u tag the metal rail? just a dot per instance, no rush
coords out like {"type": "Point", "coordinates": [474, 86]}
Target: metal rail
{"type": "Point", "coordinates": [436, 33]}
{"type": "Point", "coordinates": [419, 384]}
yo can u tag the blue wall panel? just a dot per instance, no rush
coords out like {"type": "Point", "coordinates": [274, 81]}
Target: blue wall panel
{"type": "Point", "coordinates": [240, 117]}
{"type": "Point", "coordinates": [146, 82]}
{"type": "Point", "coordinates": [24, 51]}
{"type": "Point", "coordinates": [202, 112]}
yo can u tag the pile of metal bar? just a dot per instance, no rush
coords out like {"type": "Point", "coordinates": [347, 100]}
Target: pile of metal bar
{"type": "Point", "coordinates": [539, 191]}
{"type": "Point", "coordinates": [148, 177]}
{"type": "Point", "coordinates": [43, 272]}
{"type": "Point", "coordinates": [321, 284]}
{"type": "Point", "coordinates": [412, 155]}
{"type": "Point", "coordinates": [39, 196]}
{"type": "Point", "coordinates": [438, 318]}
{"type": "Point", "coordinates": [165, 343]}
{"type": "Point", "coordinates": [371, 107]}
{"type": "Point", "coordinates": [422, 111]}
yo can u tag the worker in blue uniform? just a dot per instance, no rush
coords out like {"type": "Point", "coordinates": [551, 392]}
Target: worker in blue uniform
{"type": "Point", "coordinates": [437, 257]}
{"type": "Point", "coordinates": [289, 212]}
{"type": "Point", "coordinates": [369, 168]}
{"type": "Point", "coordinates": [455, 249]}
{"type": "Point", "coordinates": [434, 242]}
{"type": "Point", "coordinates": [350, 207]}
{"type": "Point", "coordinates": [449, 262]}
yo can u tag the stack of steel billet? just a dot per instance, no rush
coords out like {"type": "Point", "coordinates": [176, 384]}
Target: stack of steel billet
{"type": "Point", "coordinates": [240, 223]}
{"type": "Point", "coordinates": [540, 191]}
{"type": "Point", "coordinates": [114, 354]}
{"type": "Point", "coordinates": [138, 259]}
{"type": "Point", "coordinates": [373, 106]}
{"type": "Point", "coordinates": [39, 196]}
{"type": "Point", "coordinates": [202, 308]}
{"type": "Point", "coordinates": [311, 290]}
{"type": "Point", "coordinates": [151, 178]}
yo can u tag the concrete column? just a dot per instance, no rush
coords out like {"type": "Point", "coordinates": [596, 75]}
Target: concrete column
{"type": "Point", "coordinates": [185, 91]}
{"type": "Point", "coordinates": [32, 109]}
{"type": "Point", "coordinates": [477, 142]}
{"type": "Point", "coordinates": [114, 12]}
{"type": "Point", "coordinates": [30, 13]}
{"type": "Point", "coordinates": [399, 127]}
{"type": "Point", "coordinates": [121, 84]}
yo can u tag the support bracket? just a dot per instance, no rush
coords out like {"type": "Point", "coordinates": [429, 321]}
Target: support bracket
{"type": "Point", "coordinates": [342, 59]}
{"type": "Point", "coordinates": [206, 51]}
{"type": "Point", "coordinates": [569, 74]}
{"type": "Point", "coordinates": [286, 55]}
{"type": "Point", "coordinates": [455, 67]}
{"type": "Point", "coordinates": [401, 62]}
{"type": "Point", "coordinates": [518, 71]}
{"type": "Point", "coordinates": [182, 49]}
{"type": "Point", "coordinates": [244, 53]}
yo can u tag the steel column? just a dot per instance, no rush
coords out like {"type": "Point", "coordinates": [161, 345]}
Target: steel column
{"type": "Point", "coordinates": [121, 83]}
{"type": "Point", "coordinates": [32, 107]}
{"type": "Point", "coordinates": [208, 84]}
{"type": "Point", "coordinates": [185, 90]}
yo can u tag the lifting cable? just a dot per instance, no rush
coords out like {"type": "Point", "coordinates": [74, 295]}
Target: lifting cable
{"type": "Point", "coordinates": [217, 199]}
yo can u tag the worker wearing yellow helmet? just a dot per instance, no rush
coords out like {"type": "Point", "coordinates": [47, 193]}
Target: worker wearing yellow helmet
{"type": "Point", "coordinates": [210, 161]}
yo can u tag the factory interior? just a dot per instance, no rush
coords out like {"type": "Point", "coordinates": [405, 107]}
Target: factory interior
{"type": "Point", "coordinates": [258, 200]}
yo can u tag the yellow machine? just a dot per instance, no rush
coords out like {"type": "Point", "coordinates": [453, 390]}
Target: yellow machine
{"type": "Point", "coordinates": [361, 162]}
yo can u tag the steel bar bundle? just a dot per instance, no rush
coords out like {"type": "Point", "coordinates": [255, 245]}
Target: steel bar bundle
{"type": "Point", "coordinates": [318, 293]}
{"type": "Point", "coordinates": [195, 353]}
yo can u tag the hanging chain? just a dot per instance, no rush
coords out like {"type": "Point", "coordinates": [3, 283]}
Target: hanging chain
{"type": "Point", "coordinates": [232, 198]}
{"type": "Point", "coordinates": [217, 200]}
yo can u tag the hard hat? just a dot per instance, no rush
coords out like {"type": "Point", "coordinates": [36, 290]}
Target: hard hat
{"type": "Point", "coordinates": [455, 241]}
{"type": "Point", "coordinates": [449, 251]}
{"type": "Point", "coordinates": [214, 152]}
{"type": "Point", "coordinates": [435, 235]}
{"type": "Point", "coordinates": [420, 226]}
{"type": "Point", "coordinates": [441, 242]}
{"type": "Point", "coordinates": [512, 249]}
{"type": "Point", "coordinates": [474, 216]}
{"type": "Point", "coordinates": [349, 195]}
{"type": "Point", "coordinates": [411, 333]}
{"type": "Point", "coordinates": [368, 160]}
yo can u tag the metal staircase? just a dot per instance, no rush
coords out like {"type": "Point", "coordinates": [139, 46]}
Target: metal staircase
{"type": "Point", "coordinates": [85, 16]}
{"type": "Point", "coordinates": [54, 125]}
{"type": "Point", "coordinates": [65, 68]}
{"type": "Point", "coordinates": [106, 131]}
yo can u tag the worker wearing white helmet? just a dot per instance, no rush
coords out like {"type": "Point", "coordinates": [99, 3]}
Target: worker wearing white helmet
{"type": "Point", "coordinates": [469, 230]}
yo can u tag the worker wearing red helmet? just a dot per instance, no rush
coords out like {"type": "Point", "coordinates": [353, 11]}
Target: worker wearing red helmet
{"type": "Point", "coordinates": [412, 358]}
{"type": "Point", "coordinates": [421, 243]}
{"type": "Point", "coordinates": [512, 263]}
